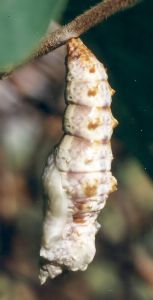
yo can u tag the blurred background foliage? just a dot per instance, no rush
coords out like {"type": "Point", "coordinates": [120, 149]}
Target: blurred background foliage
{"type": "Point", "coordinates": [31, 109]}
{"type": "Point", "coordinates": [22, 25]}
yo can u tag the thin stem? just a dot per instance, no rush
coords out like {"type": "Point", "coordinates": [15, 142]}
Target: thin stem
{"type": "Point", "coordinates": [78, 26]}
{"type": "Point", "coordinates": [83, 23]}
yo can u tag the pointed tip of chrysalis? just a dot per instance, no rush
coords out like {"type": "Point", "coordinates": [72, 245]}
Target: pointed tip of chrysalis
{"type": "Point", "coordinates": [76, 49]}
{"type": "Point", "coordinates": [82, 63]}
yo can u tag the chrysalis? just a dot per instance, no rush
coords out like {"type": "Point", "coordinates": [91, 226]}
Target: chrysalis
{"type": "Point", "coordinates": [78, 177]}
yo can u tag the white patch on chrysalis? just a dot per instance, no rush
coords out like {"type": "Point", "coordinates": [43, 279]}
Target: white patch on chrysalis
{"type": "Point", "coordinates": [57, 206]}
{"type": "Point", "coordinates": [61, 245]}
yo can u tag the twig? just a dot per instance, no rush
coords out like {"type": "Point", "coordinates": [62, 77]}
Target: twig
{"type": "Point", "coordinates": [83, 23]}
{"type": "Point", "coordinates": [78, 26]}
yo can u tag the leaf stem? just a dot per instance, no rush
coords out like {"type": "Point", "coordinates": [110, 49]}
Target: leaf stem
{"type": "Point", "coordinates": [79, 25]}
{"type": "Point", "coordinates": [83, 23]}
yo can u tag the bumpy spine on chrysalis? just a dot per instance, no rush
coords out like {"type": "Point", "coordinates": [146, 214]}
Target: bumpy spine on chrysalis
{"type": "Point", "coordinates": [78, 177]}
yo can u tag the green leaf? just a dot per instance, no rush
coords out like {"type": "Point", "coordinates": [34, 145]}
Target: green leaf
{"type": "Point", "coordinates": [22, 25]}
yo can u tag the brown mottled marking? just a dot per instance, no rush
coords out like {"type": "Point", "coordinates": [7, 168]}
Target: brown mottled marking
{"type": "Point", "coordinates": [113, 185]}
{"type": "Point", "coordinates": [88, 161]}
{"type": "Point", "coordinates": [78, 218]}
{"type": "Point", "coordinates": [94, 124]}
{"type": "Point", "coordinates": [76, 50]}
{"type": "Point", "coordinates": [112, 91]}
{"type": "Point", "coordinates": [114, 122]}
{"type": "Point", "coordinates": [83, 206]}
{"type": "Point", "coordinates": [90, 190]}
{"type": "Point", "coordinates": [92, 92]}
{"type": "Point", "coordinates": [92, 69]}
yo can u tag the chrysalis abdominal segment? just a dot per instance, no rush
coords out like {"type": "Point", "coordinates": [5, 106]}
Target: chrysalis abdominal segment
{"type": "Point", "coordinates": [78, 177]}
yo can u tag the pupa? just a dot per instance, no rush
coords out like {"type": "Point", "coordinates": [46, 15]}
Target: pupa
{"type": "Point", "coordinates": [78, 178]}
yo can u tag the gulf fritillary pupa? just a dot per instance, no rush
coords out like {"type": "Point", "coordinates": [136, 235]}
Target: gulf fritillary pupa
{"type": "Point", "coordinates": [78, 177]}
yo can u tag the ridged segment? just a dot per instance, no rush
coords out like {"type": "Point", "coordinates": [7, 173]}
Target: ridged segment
{"type": "Point", "coordinates": [89, 92]}
{"type": "Point", "coordinates": [90, 184]}
{"type": "Point", "coordinates": [79, 155]}
{"type": "Point", "coordinates": [80, 166]}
